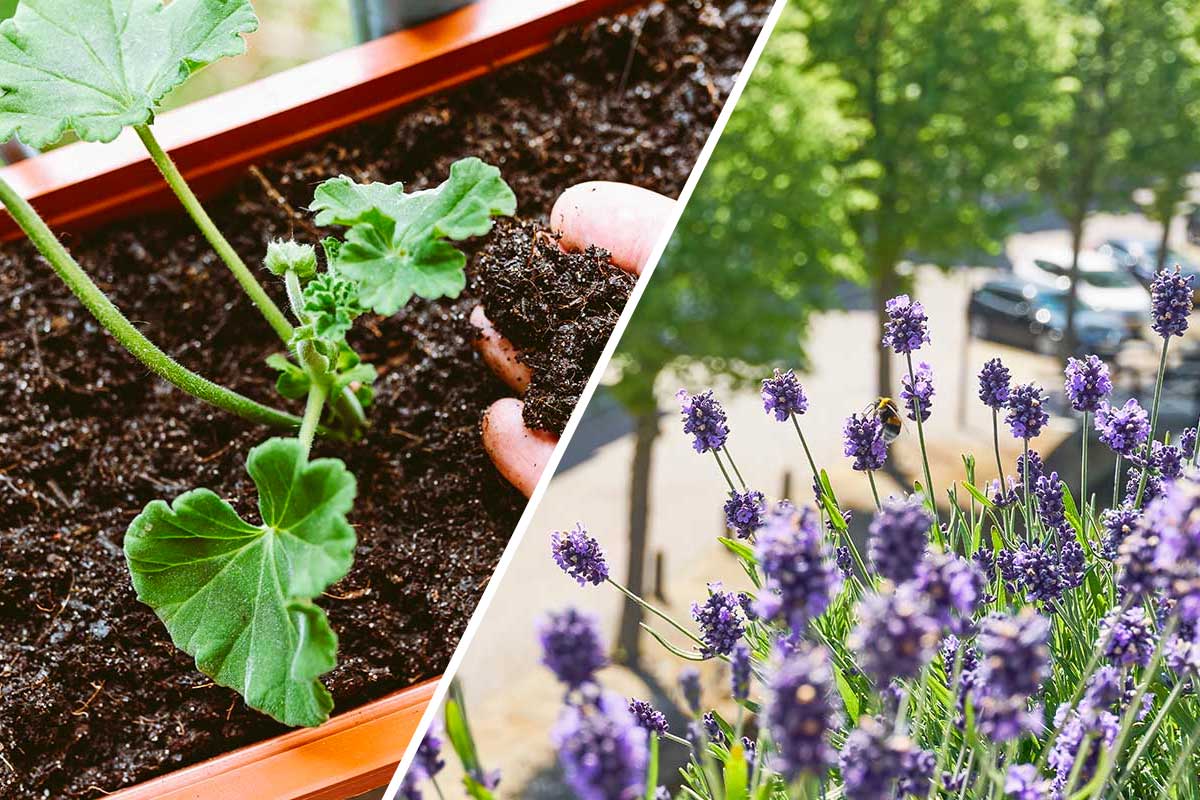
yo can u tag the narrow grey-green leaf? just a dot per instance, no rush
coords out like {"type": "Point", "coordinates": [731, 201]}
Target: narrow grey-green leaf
{"type": "Point", "coordinates": [238, 596]}
{"type": "Point", "coordinates": [398, 244]}
{"type": "Point", "coordinates": [96, 66]}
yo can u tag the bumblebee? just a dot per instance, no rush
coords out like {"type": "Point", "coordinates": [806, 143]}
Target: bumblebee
{"type": "Point", "coordinates": [888, 414]}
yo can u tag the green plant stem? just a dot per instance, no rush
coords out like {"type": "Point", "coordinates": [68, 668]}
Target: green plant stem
{"type": "Point", "coordinates": [1116, 500]}
{"type": "Point", "coordinates": [931, 495]}
{"type": "Point", "coordinates": [295, 295]}
{"type": "Point", "coordinates": [665, 617]}
{"type": "Point", "coordinates": [996, 447]}
{"type": "Point", "coordinates": [732, 463]}
{"type": "Point", "coordinates": [804, 443]}
{"type": "Point", "coordinates": [728, 480]}
{"type": "Point", "coordinates": [317, 392]}
{"type": "Point", "coordinates": [252, 287]}
{"type": "Point", "coordinates": [1083, 484]}
{"type": "Point", "coordinates": [1158, 384]}
{"type": "Point", "coordinates": [874, 491]}
{"type": "Point", "coordinates": [1025, 481]}
{"type": "Point", "coordinates": [123, 330]}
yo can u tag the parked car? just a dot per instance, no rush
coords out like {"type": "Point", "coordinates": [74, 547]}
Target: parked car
{"type": "Point", "coordinates": [1103, 285]}
{"type": "Point", "coordinates": [1034, 317]}
{"type": "Point", "coordinates": [1140, 258]}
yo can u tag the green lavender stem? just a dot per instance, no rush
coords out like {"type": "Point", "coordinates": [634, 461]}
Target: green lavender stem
{"type": "Point", "coordinates": [996, 447]}
{"type": "Point", "coordinates": [932, 495]}
{"type": "Point", "coordinates": [252, 287]}
{"type": "Point", "coordinates": [1158, 384]}
{"type": "Point", "coordinates": [123, 330]}
{"type": "Point", "coordinates": [1083, 484]}
{"type": "Point", "coordinates": [874, 491]}
{"type": "Point", "coordinates": [728, 480]}
{"type": "Point", "coordinates": [665, 617]}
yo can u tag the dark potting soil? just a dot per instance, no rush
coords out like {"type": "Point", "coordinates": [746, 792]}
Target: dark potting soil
{"type": "Point", "coordinates": [93, 696]}
{"type": "Point", "coordinates": [557, 308]}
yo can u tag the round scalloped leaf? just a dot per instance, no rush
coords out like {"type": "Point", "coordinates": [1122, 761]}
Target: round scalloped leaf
{"type": "Point", "coordinates": [238, 596]}
{"type": "Point", "coordinates": [96, 66]}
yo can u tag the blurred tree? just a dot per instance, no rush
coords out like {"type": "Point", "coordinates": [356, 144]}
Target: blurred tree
{"type": "Point", "coordinates": [1165, 145]}
{"type": "Point", "coordinates": [951, 90]}
{"type": "Point", "coordinates": [1117, 63]}
{"type": "Point", "coordinates": [762, 244]}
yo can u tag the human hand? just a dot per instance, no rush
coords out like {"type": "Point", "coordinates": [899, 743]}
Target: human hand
{"type": "Point", "coordinates": [624, 220]}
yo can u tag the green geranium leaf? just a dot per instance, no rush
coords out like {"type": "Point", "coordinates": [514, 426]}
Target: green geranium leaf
{"type": "Point", "coordinates": [238, 596]}
{"type": "Point", "coordinates": [398, 244]}
{"type": "Point", "coordinates": [96, 66]}
{"type": "Point", "coordinates": [293, 381]}
{"type": "Point", "coordinates": [331, 303]}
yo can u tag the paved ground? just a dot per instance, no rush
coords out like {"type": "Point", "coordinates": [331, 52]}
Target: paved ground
{"type": "Point", "coordinates": [513, 701]}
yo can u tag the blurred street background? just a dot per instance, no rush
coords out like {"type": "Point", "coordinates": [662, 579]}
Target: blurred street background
{"type": "Point", "coordinates": [1022, 167]}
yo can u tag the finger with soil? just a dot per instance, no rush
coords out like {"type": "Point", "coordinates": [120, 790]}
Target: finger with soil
{"type": "Point", "coordinates": [519, 453]}
{"type": "Point", "coordinates": [625, 220]}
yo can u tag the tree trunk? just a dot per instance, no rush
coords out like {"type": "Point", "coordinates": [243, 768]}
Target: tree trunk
{"type": "Point", "coordinates": [628, 650]}
{"type": "Point", "coordinates": [1162, 242]}
{"type": "Point", "coordinates": [886, 287]}
{"type": "Point", "coordinates": [1068, 342]}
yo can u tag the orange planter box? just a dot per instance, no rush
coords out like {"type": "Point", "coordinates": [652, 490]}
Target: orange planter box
{"type": "Point", "coordinates": [213, 141]}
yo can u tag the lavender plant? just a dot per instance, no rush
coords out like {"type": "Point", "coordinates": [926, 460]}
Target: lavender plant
{"type": "Point", "coordinates": [1045, 649]}
{"type": "Point", "coordinates": [238, 595]}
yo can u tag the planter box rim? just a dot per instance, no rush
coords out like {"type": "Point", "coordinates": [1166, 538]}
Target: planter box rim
{"type": "Point", "coordinates": [213, 140]}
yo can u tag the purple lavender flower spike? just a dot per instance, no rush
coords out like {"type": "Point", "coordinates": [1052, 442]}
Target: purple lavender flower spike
{"type": "Point", "coordinates": [1154, 488]}
{"type": "Point", "coordinates": [952, 584]}
{"type": "Point", "coordinates": [896, 633]}
{"type": "Point", "coordinates": [1074, 727]}
{"type": "Point", "coordinates": [720, 620]}
{"type": "Point", "coordinates": [1168, 460]}
{"type": "Point", "coordinates": [1139, 574]}
{"type": "Point", "coordinates": [864, 442]}
{"type": "Point", "coordinates": [1187, 442]}
{"type": "Point", "coordinates": [869, 765]}
{"type": "Point", "coordinates": [918, 389]}
{"type": "Point", "coordinates": [845, 560]}
{"type": "Point", "coordinates": [898, 535]}
{"type": "Point", "coordinates": [1171, 302]}
{"type": "Point", "coordinates": [1050, 505]}
{"type": "Point", "coordinates": [782, 395]}
{"type": "Point", "coordinates": [907, 327]}
{"type": "Point", "coordinates": [800, 711]}
{"type": "Point", "coordinates": [425, 766]}
{"type": "Point", "coordinates": [602, 749]}
{"type": "Point", "coordinates": [994, 380]}
{"type": "Point", "coordinates": [1036, 468]}
{"type": "Point", "coordinates": [1039, 571]}
{"type": "Point", "coordinates": [571, 646]}
{"type": "Point", "coordinates": [1118, 523]}
{"type": "Point", "coordinates": [744, 512]}
{"type": "Point", "coordinates": [712, 730]}
{"type": "Point", "coordinates": [1127, 637]}
{"type": "Point", "coordinates": [703, 419]}
{"type": "Point", "coordinates": [1088, 383]}
{"type": "Point", "coordinates": [801, 576]}
{"type": "Point", "coordinates": [739, 664]}
{"type": "Point", "coordinates": [916, 768]}
{"type": "Point", "coordinates": [1027, 413]}
{"type": "Point", "coordinates": [579, 555]}
{"type": "Point", "coordinates": [1024, 783]}
{"type": "Point", "coordinates": [1072, 561]}
{"type": "Point", "coordinates": [1123, 429]}
{"type": "Point", "coordinates": [649, 717]}
{"type": "Point", "coordinates": [1176, 518]}
{"type": "Point", "coordinates": [1014, 660]}
{"type": "Point", "coordinates": [689, 684]}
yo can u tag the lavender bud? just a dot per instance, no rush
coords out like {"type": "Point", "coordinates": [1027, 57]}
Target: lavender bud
{"type": "Point", "coordinates": [703, 419]}
{"type": "Point", "coordinates": [896, 633]}
{"type": "Point", "coordinates": [994, 381]}
{"type": "Point", "coordinates": [602, 749]}
{"type": "Point", "coordinates": [1123, 429]}
{"type": "Point", "coordinates": [918, 389]}
{"type": "Point", "coordinates": [801, 577]}
{"type": "Point", "coordinates": [744, 512]}
{"type": "Point", "coordinates": [1015, 660]}
{"type": "Point", "coordinates": [689, 684]}
{"type": "Point", "coordinates": [740, 671]}
{"type": "Point", "coordinates": [1127, 637]}
{"type": "Point", "coordinates": [650, 718]}
{"type": "Point", "coordinates": [720, 621]}
{"type": "Point", "coordinates": [1171, 302]}
{"type": "Point", "coordinates": [1088, 383]}
{"type": "Point", "coordinates": [907, 327]}
{"type": "Point", "coordinates": [1027, 413]}
{"type": "Point", "coordinates": [863, 436]}
{"type": "Point", "coordinates": [898, 535]}
{"type": "Point", "coordinates": [571, 646]}
{"type": "Point", "coordinates": [782, 395]}
{"type": "Point", "coordinates": [579, 555]}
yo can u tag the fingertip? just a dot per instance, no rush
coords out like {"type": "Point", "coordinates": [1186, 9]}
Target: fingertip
{"type": "Point", "coordinates": [519, 453]}
{"type": "Point", "coordinates": [625, 220]}
{"type": "Point", "coordinates": [499, 354]}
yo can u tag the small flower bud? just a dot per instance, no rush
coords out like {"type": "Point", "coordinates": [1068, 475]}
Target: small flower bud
{"type": "Point", "coordinates": [289, 256]}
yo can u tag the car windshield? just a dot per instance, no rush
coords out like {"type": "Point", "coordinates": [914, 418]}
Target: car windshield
{"type": "Point", "coordinates": [1105, 279]}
